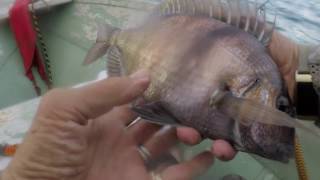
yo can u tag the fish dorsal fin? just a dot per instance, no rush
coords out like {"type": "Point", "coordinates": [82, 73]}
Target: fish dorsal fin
{"type": "Point", "coordinates": [242, 14]}
{"type": "Point", "coordinates": [114, 63]}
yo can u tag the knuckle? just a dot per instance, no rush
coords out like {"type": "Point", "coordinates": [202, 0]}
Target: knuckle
{"type": "Point", "coordinates": [53, 93]}
{"type": "Point", "coordinates": [53, 96]}
{"type": "Point", "coordinates": [52, 100]}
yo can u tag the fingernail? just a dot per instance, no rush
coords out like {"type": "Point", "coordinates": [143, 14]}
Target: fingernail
{"type": "Point", "coordinates": [140, 75]}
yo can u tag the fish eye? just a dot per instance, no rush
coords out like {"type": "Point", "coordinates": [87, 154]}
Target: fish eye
{"type": "Point", "coordinates": [252, 85]}
{"type": "Point", "coordinates": [255, 83]}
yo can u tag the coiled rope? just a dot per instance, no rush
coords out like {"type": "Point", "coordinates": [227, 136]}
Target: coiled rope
{"type": "Point", "coordinates": [43, 46]}
{"type": "Point", "coordinates": [300, 163]}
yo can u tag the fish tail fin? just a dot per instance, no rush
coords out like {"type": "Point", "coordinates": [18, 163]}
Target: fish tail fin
{"type": "Point", "coordinates": [100, 47]}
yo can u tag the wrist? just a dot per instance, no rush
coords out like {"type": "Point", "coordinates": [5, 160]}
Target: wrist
{"type": "Point", "coordinates": [14, 172]}
{"type": "Point", "coordinates": [7, 175]}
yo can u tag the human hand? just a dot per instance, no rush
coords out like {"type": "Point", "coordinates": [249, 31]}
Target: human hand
{"type": "Point", "coordinates": [82, 134]}
{"type": "Point", "coordinates": [285, 53]}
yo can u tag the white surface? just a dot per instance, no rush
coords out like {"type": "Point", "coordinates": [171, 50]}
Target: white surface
{"type": "Point", "coordinates": [304, 78]}
{"type": "Point", "coordinates": [5, 5]}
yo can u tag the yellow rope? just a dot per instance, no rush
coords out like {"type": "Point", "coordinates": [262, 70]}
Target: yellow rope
{"type": "Point", "coordinates": [300, 163]}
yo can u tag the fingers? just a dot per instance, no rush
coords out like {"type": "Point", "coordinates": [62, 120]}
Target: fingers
{"type": "Point", "coordinates": [223, 150]}
{"type": "Point", "coordinates": [94, 100]}
{"type": "Point", "coordinates": [189, 169]}
{"type": "Point", "coordinates": [163, 140]}
{"type": "Point", "coordinates": [102, 96]}
{"type": "Point", "coordinates": [123, 115]}
{"type": "Point", "coordinates": [142, 131]}
{"type": "Point", "coordinates": [119, 117]}
{"type": "Point", "coordinates": [188, 135]}
{"type": "Point", "coordinates": [285, 53]}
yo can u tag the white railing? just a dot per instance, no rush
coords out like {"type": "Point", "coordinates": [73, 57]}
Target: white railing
{"type": "Point", "coordinates": [39, 5]}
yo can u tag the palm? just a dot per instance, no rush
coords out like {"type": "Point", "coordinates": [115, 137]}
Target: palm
{"type": "Point", "coordinates": [110, 150]}
{"type": "Point", "coordinates": [99, 150]}
{"type": "Point", "coordinates": [81, 134]}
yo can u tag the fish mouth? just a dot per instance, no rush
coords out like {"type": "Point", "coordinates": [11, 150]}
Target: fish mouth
{"type": "Point", "coordinates": [269, 141]}
{"type": "Point", "coordinates": [285, 105]}
{"type": "Point", "coordinates": [281, 137]}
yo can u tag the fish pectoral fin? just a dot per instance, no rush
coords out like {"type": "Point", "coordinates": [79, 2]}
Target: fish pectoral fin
{"type": "Point", "coordinates": [96, 51]}
{"type": "Point", "coordinates": [246, 112]}
{"type": "Point", "coordinates": [114, 63]}
{"type": "Point", "coordinates": [156, 113]}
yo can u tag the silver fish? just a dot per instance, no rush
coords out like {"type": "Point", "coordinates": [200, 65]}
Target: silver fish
{"type": "Point", "coordinates": [193, 48]}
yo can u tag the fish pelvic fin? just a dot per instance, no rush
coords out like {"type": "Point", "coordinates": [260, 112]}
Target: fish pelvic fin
{"type": "Point", "coordinates": [242, 14]}
{"type": "Point", "coordinates": [100, 47]}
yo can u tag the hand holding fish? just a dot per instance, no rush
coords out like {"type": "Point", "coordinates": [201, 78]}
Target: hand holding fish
{"type": "Point", "coordinates": [285, 54]}
{"type": "Point", "coordinates": [194, 48]}
{"type": "Point", "coordinates": [288, 55]}
{"type": "Point", "coordinates": [84, 134]}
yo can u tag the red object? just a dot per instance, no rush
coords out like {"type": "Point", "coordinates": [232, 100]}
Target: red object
{"type": "Point", "coordinates": [22, 26]}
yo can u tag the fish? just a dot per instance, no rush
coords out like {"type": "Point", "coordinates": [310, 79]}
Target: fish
{"type": "Point", "coordinates": [194, 48]}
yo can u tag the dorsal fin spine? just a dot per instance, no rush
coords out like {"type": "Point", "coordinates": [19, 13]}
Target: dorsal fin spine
{"type": "Point", "coordinates": [174, 9]}
{"type": "Point", "coordinates": [248, 17]}
{"type": "Point", "coordinates": [239, 14]}
{"type": "Point", "coordinates": [220, 9]}
{"type": "Point", "coordinates": [211, 12]}
{"type": "Point", "coordinates": [261, 34]}
{"type": "Point", "coordinates": [203, 8]}
{"type": "Point", "coordinates": [193, 7]}
{"type": "Point", "coordinates": [167, 9]}
{"type": "Point", "coordinates": [229, 12]}
{"type": "Point", "coordinates": [269, 35]}
{"type": "Point", "coordinates": [246, 28]}
{"type": "Point", "coordinates": [256, 18]}
{"type": "Point", "coordinates": [183, 4]}
{"type": "Point", "coordinates": [178, 6]}
{"type": "Point", "coordinates": [170, 8]}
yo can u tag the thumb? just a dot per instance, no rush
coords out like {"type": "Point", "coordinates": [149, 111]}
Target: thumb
{"type": "Point", "coordinates": [93, 100]}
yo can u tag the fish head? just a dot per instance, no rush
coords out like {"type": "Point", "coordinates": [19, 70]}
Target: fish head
{"type": "Point", "coordinates": [264, 85]}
